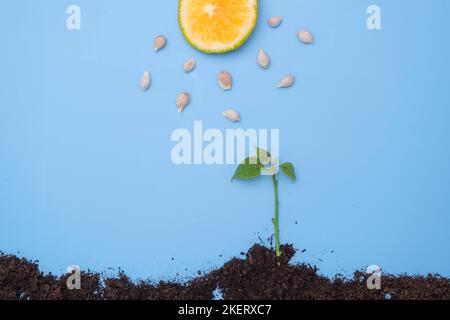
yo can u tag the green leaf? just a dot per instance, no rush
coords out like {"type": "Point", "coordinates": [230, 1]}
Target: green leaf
{"type": "Point", "coordinates": [247, 171]}
{"type": "Point", "coordinates": [288, 169]}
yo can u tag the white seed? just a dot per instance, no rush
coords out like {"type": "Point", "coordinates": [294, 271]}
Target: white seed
{"type": "Point", "coordinates": [286, 81]}
{"type": "Point", "coordinates": [145, 81]}
{"type": "Point", "coordinates": [275, 21]}
{"type": "Point", "coordinates": [225, 81]}
{"type": "Point", "coordinates": [305, 37]}
{"type": "Point", "coordinates": [263, 59]}
{"type": "Point", "coordinates": [264, 156]}
{"type": "Point", "coordinates": [190, 65]}
{"type": "Point", "coordinates": [159, 43]}
{"type": "Point", "coordinates": [232, 115]}
{"type": "Point", "coordinates": [183, 100]}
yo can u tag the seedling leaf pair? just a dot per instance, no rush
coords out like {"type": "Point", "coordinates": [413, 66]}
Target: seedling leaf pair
{"type": "Point", "coordinates": [252, 168]}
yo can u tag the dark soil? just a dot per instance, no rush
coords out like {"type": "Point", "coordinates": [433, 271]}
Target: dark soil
{"type": "Point", "coordinates": [260, 275]}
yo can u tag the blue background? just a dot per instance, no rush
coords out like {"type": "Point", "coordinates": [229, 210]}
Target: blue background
{"type": "Point", "coordinates": [85, 171]}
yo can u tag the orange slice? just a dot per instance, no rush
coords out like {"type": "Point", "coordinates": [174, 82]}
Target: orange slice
{"type": "Point", "coordinates": [217, 26]}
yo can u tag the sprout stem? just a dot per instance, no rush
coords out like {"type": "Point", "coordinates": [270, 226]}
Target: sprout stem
{"type": "Point", "coordinates": [276, 218]}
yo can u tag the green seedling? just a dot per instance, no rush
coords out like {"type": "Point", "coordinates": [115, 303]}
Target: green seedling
{"type": "Point", "coordinates": [264, 165]}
